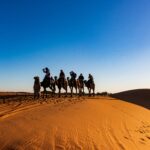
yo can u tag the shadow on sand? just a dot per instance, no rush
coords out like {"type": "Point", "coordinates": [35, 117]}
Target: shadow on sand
{"type": "Point", "coordinates": [139, 96]}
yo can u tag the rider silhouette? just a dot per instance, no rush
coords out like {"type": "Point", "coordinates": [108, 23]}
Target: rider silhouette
{"type": "Point", "coordinates": [73, 75]}
{"type": "Point", "coordinates": [81, 78]}
{"type": "Point", "coordinates": [47, 74]}
{"type": "Point", "coordinates": [62, 76]}
{"type": "Point", "coordinates": [91, 79]}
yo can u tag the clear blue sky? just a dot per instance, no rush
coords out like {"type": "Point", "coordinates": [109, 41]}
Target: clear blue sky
{"type": "Point", "coordinates": [107, 38]}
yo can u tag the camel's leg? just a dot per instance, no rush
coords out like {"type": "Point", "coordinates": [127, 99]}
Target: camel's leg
{"type": "Point", "coordinates": [89, 91]}
{"type": "Point", "coordinates": [65, 88]}
{"type": "Point", "coordinates": [79, 91]}
{"type": "Point", "coordinates": [66, 92]}
{"type": "Point", "coordinates": [53, 93]}
{"type": "Point", "coordinates": [94, 91]}
{"type": "Point", "coordinates": [44, 92]}
{"type": "Point", "coordinates": [83, 90]}
{"type": "Point", "coordinates": [54, 89]}
{"type": "Point", "coordinates": [38, 95]}
{"type": "Point", "coordinates": [70, 88]}
{"type": "Point", "coordinates": [79, 94]}
{"type": "Point", "coordinates": [76, 90]}
{"type": "Point", "coordinates": [71, 91]}
{"type": "Point", "coordinates": [34, 96]}
{"type": "Point", "coordinates": [59, 91]}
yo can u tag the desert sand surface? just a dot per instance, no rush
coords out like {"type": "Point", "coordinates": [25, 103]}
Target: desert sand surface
{"type": "Point", "coordinates": [85, 123]}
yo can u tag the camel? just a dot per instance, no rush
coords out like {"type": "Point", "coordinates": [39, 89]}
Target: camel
{"type": "Point", "coordinates": [90, 86]}
{"type": "Point", "coordinates": [80, 85]}
{"type": "Point", "coordinates": [36, 87]}
{"type": "Point", "coordinates": [61, 84]}
{"type": "Point", "coordinates": [48, 83]}
{"type": "Point", "coordinates": [72, 84]}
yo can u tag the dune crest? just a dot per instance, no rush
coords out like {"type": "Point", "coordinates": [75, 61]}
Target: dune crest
{"type": "Point", "coordinates": [138, 96]}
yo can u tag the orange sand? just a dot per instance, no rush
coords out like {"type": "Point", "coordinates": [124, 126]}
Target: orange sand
{"type": "Point", "coordinates": [100, 123]}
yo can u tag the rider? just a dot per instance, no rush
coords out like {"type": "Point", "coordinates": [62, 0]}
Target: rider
{"type": "Point", "coordinates": [73, 75]}
{"type": "Point", "coordinates": [81, 78]}
{"type": "Point", "coordinates": [91, 79]}
{"type": "Point", "coordinates": [62, 75]}
{"type": "Point", "coordinates": [47, 73]}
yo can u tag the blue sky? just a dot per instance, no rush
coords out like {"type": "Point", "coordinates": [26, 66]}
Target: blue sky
{"type": "Point", "coordinates": [107, 38]}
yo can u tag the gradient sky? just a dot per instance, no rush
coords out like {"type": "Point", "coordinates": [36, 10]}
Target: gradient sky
{"type": "Point", "coordinates": [107, 38]}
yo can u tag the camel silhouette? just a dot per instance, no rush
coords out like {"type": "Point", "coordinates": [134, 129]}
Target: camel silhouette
{"type": "Point", "coordinates": [72, 84]}
{"type": "Point", "coordinates": [60, 83]}
{"type": "Point", "coordinates": [48, 83]}
{"type": "Point", "coordinates": [90, 86]}
{"type": "Point", "coordinates": [36, 87]}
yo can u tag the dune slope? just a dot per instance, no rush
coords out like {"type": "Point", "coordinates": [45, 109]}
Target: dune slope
{"type": "Point", "coordinates": [138, 96]}
{"type": "Point", "coordinates": [74, 124]}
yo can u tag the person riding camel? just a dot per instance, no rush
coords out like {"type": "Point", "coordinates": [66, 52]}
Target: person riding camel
{"type": "Point", "coordinates": [47, 74]}
{"type": "Point", "coordinates": [81, 78]}
{"type": "Point", "coordinates": [91, 79]}
{"type": "Point", "coordinates": [73, 75]}
{"type": "Point", "coordinates": [62, 76]}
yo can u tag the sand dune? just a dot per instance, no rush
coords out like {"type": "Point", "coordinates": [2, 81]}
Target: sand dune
{"type": "Point", "coordinates": [99, 123]}
{"type": "Point", "coordinates": [138, 96]}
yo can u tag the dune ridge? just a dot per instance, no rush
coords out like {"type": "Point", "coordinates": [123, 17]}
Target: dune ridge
{"type": "Point", "coordinates": [137, 96]}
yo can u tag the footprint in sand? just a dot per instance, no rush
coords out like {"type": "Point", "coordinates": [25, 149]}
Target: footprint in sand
{"type": "Point", "coordinates": [126, 137]}
{"type": "Point", "coordinates": [148, 137]}
{"type": "Point", "coordinates": [142, 139]}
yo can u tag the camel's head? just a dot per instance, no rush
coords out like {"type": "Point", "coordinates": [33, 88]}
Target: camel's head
{"type": "Point", "coordinates": [36, 78]}
{"type": "Point", "coordinates": [55, 77]}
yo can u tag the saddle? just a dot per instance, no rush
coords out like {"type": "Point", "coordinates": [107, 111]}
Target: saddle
{"type": "Point", "coordinates": [73, 80]}
{"type": "Point", "coordinates": [46, 81]}
{"type": "Point", "coordinates": [90, 81]}
{"type": "Point", "coordinates": [62, 81]}
{"type": "Point", "coordinates": [81, 81]}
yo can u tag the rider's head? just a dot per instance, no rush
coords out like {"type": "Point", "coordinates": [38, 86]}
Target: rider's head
{"type": "Point", "coordinates": [81, 74]}
{"type": "Point", "coordinates": [36, 78]}
{"type": "Point", "coordinates": [61, 70]}
{"type": "Point", "coordinates": [71, 72]}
